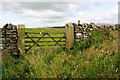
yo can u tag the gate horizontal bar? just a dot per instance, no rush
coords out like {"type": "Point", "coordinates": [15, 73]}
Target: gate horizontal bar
{"type": "Point", "coordinates": [44, 37]}
{"type": "Point", "coordinates": [41, 41]}
{"type": "Point", "coordinates": [45, 45]}
{"type": "Point", "coordinates": [45, 32]}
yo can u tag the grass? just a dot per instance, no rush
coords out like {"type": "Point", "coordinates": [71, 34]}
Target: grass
{"type": "Point", "coordinates": [96, 57]}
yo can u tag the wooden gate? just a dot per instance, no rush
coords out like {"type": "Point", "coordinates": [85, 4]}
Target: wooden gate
{"type": "Point", "coordinates": [44, 38]}
{"type": "Point", "coordinates": [41, 38]}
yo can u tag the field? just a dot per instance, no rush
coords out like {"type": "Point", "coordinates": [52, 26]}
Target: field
{"type": "Point", "coordinates": [95, 57]}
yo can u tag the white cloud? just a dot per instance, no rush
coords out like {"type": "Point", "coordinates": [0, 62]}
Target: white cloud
{"type": "Point", "coordinates": [59, 0]}
{"type": "Point", "coordinates": [111, 15]}
{"type": "Point", "coordinates": [103, 16]}
{"type": "Point", "coordinates": [42, 14]}
{"type": "Point", "coordinates": [0, 17]}
{"type": "Point", "coordinates": [45, 14]}
{"type": "Point", "coordinates": [1, 21]}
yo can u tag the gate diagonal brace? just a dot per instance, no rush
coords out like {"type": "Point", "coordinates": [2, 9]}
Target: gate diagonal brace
{"type": "Point", "coordinates": [54, 40]}
{"type": "Point", "coordinates": [61, 39]}
{"type": "Point", "coordinates": [35, 42]}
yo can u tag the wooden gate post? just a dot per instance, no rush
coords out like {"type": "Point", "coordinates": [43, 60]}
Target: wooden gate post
{"type": "Point", "coordinates": [69, 31]}
{"type": "Point", "coordinates": [21, 38]}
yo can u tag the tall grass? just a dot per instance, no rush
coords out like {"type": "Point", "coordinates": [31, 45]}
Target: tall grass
{"type": "Point", "coordinates": [91, 58]}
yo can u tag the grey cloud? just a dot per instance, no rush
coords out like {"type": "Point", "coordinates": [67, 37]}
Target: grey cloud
{"type": "Point", "coordinates": [56, 17]}
{"type": "Point", "coordinates": [45, 6]}
{"type": "Point", "coordinates": [11, 6]}
{"type": "Point", "coordinates": [59, 1]}
{"type": "Point", "coordinates": [41, 6]}
{"type": "Point", "coordinates": [62, 7]}
{"type": "Point", "coordinates": [52, 21]}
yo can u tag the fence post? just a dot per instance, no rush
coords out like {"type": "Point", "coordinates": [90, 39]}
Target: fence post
{"type": "Point", "coordinates": [69, 31]}
{"type": "Point", "coordinates": [21, 38]}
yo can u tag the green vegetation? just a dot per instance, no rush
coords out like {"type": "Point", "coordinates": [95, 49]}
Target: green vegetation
{"type": "Point", "coordinates": [95, 57]}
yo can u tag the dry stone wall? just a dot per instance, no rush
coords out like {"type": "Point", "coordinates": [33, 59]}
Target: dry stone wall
{"type": "Point", "coordinates": [82, 31]}
{"type": "Point", "coordinates": [10, 39]}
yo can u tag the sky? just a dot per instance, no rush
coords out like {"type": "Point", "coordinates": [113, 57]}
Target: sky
{"type": "Point", "coordinates": [49, 13]}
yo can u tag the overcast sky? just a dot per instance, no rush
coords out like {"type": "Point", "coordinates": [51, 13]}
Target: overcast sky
{"type": "Point", "coordinates": [57, 13]}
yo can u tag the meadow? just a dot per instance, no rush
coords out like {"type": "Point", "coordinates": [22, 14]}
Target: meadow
{"type": "Point", "coordinates": [95, 57]}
